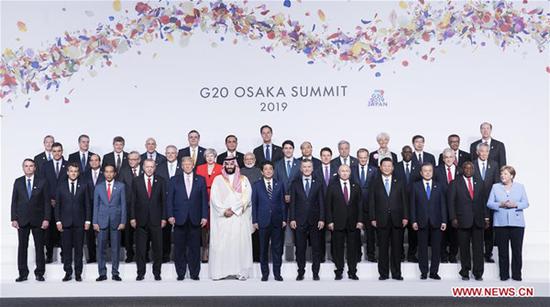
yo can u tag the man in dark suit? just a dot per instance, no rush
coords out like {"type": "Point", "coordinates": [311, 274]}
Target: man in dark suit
{"type": "Point", "coordinates": [497, 150]}
{"type": "Point", "coordinates": [73, 212]}
{"type": "Point", "coordinates": [82, 156]}
{"type": "Point", "coordinates": [269, 216]}
{"type": "Point", "coordinates": [344, 157]}
{"type": "Point", "coordinates": [445, 173]}
{"type": "Point", "coordinates": [469, 214]}
{"type": "Point", "coordinates": [429, 218]}
{"type": "Point", "coordinates": [194, 151]}
{"type": "Point", "coordinates": [362, 174]}
{"type": "Point", "coordinates": [151, 152]}
{"type": "Point", "coordinates": [54, 171]}
{"type": "Point", "coordinates": [267, 151]}
{"type": "Point", "coordinates": [109, 218]}
{"type": "Point", "coordinates": [307, 154]}
{"type": "Point", "coordinates": [46, 155]}
{"type": "Point", "coordinates": [92, 178]}
{"type": "Point", "coordinates": [231, 145]}
{"type": "Point", "coordinates": [126, 176]}
{"type": "Point", "coordinates": [344, 217]}
{"type": "Point", "coordinates": [30, 212]}
{"type": "Point", "coordinates": [389, 214]}
{"type": "Point", "coordinates": [489, 173]}
{"type": "Point", "coordinates": [148, 216]}
{"type": "Point", "coordinates": [187, 210]}
{"type": "Point", "coordinates": [168, 169]}
{"type": "Point", "coordinates": [307, 217]}
{"type": "Point", "coordinates": [408, 172]}
{"type": "Point", "coordinates": [460, 155]}
{"type": "Point", "coordinates": [286, 170]}
{"type": "Point", "coordinates": [118, 157]}
{"type": "Point", "coordinates": [326, 173]}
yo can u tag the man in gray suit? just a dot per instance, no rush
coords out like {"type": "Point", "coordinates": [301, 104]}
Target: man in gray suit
{"type": "Point", "coordinates": [109, 218]}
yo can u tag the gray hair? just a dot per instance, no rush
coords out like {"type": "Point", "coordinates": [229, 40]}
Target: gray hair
{"type": "Point", "coordinates": [448, 151]}
{"type": "Point", "coordinates": [173, 147]}
{"type": "Point", "coordinates": [134, 152]}
{"type": "Point", "coordinates": [342, 142]}
{"type": "Point", "coordinates": [382, 135]}
{"type": "Point", "coordinates": [210, 151]}
{"type": "Point", "coordinates": [478, 147]}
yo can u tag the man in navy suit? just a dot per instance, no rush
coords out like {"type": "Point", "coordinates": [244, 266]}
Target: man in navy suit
{"type": "Point", "coordinates": [148, 216]}
{"type": "Point", "coordinates": [468, 212]}
{"type": "Point", "coordinates": [168, 169]}
{"type": "Point", "coordinates": [344, 157]}
{"type": "Point", "coordinates": [489, 173]}
{"type": "Point", "coordinates": [307, 154]}
{"type": "Point", "coordinates": [46, 155]}
{"type": "Point", "coordinates": [362, 174]}
{"type": "Point", "coordinates": [420, 156]}
{"type": "Point", "coordinates": [389, 214]}
{"type": "Point", "coordinates": [497, 150]}
{"type": "Point", "coordinates": [326, 173]}
{"type": "Point", "coordinates": [152, 153]}
{"type": "Point", "coordinates": [267, 151]}
{"type": "Point", "coordinates": [286, 170]}
{"type": "Point", "coordinates": [269, 216]}
{"type": "Point", "coordinates": [429, 218]}
{"type": "Point", "coordinates": [460, 155]}
{"type": "Point", "coordinates": [30, 212]}
{"type": "Point", "coordinates": [92, 177]}
{"type": "Point", "coordinates": [344, 215]}
{"type": "Point", "coordinates": [73, 212]}
{"type": "Point", "coordinates": [54, 171]}
{"type": "Point", "coordinates": [109, 218]}
{"type": "Point", "coordinates": [194, 151]}
{"type": "Point", "coordinates": [444, 174]}
{"type": "Point", "coordinates": [307, 217]}
{"type": "Point", "coordinates": [82, 156]}
{"type": "Point", "coordinates": [187, 210]}
{"type": "Point", "coordinates": [118, 157]}
{"type": "Point", "coordinates": [231, 145]}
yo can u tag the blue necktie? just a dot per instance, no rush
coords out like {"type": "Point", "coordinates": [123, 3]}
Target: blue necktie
{"type": "Point", "coordinates": [29, 188]}
{"type": "Point", "coordinates": [483, 170]}
{"type": "Point", "coordinates": [267, 153]}
{"type": "Point", "coordinates": [269, 190]}
{"type": "Point", "coordinates": [407, 172]}
{"type": "Point", "coordinates": [428, 190]}
{"type": "Point", "coordinates": [363, 178]}
{"type": "Point", "coordinates": [83, 162]}
{"type": "Point", "coordinates": [288, 167]}
{"type": "Point", "coordinates": [307, 187]}
{"type": "Point", "coordinates": [387, 186]}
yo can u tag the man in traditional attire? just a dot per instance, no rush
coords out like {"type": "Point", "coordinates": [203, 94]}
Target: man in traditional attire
{"type": "Point", "coordinates": [231, 224]}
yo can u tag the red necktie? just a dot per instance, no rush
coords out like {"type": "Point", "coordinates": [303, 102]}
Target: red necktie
{"type": "Point", "coordinates": [149, 187]}
{"type": "Point", "coordinates": [109, 191]}
{"type": "Point", "coordinates": [449, 175]}
{"type": "Point", "coordinates": [346, 193]}
{"type": "Point", "coordinates": [470, 188]}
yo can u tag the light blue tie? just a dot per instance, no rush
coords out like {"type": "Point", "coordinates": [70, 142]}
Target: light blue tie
{"type": "Point", "coordinates": [483, 170]}
{"type": "Point", "coordinates": [288, 168]}
{"type": "Point", "coordinates": [387, 186]}
{"type": "Point", "coordinates": [363, 178]}
{"type": "Point", "coordinates": [29, 188]}
{"type": "Point", "coordinates": [428, 190]}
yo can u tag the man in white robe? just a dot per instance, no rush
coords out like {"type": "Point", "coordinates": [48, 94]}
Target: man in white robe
{"type": "Point", "coordinates": [230, 224]}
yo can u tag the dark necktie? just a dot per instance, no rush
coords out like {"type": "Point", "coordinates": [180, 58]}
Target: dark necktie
{"type": "Point", "coordinates": [72, 188]}
{"type": "Point", "coordinates": [134, 171]}
{"type": "Point", "coordinates": [56, 169]}
{"type": "Point", "coordinates": [308, 187]}
{"type": "Point", "coordinates": [267, 153]}
{"type": "Point", "coordinates": [29, 188]}
{"type": "Point", "coordinates": [269, 190]}
{"type": "Point", "coordinates": [407, 172]}
{"type": "Point", "coordinates": [288, 168]}
{"type": "Point", "coordinates": [420, 158]}
{"type": "Point", "coordinates": [83, 161]}
{"type": "Point", "coordinates": [118, 162]}
{"type": "Point", "coordinates": [327, 178]}
{"type": "Point", "coordinates": [346, 193]}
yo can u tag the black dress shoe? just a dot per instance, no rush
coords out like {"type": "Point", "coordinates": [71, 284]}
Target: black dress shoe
{"type": "Point", "coordinates": [372, 259]}
{"type": "Point", "coordinates": [316, 277]}
{"type": "Point", "coordinates": [353, 276]}
{"type": "Point", "coordinates": [300, 277]}
{"type": "Point", "coordinates": [423, 276]}
{"type": "Point", "coordinates": [91, 261]}
{"type": "Point", "coordinates": [204, 261]}
{"type": "Point", "coordinates": [166, 260]}
{"type": "Point", "coordinates": [67, 277]}
{"type": "Point", "coordinates": [78, 277]}
{"type": "Point", "coordinates": [382, 277]}
{"type": "Point", "coordinates": [478, 278]}
{"type": "Point", "coordinates": [157, 277]}
{"type": "Point", "coordinates": [444, 261]}
{"type": "Point", "coordinates": [453, 260]}
{"type": "Point", "coordinates": [195, 278]}
{"type": "Point", "coordinates": [129, 259]}
{"type": "Point", "coordinates": [40, 278]}
{"type": "Point", "coordinates": [397, 277]}
{"type": "Point", "coordinates": [516, 278]}
{"type": "Point", "coordinates": [412, 259]}
{"type": "Point", "coordinates": [489, 260]}
{"type": "Point", "coordinates": [504, 278]}
{"type": "Point", "coordinates": [264, 278]}
{"type": "Point", "coordinates": [21, 278]}
{"type": "Point", "coordinates": [49, 260]}
{"type": "Point", "coordinates": [181, 278]}
{"type": "Point", "coordinates": [279, 278]}
{"type": "Point", "coordinates": [101, 278]}
{"type": "Point", "coordinates": [140, 277]}
{"type": "Point", "coordinates": [465, 278]}
{"type": "Point", "coordinates": [435, 276]}
{"type": "Point", "coordinates": [338, 277]}
{"type": "Point", "coordinates": [116, 278]}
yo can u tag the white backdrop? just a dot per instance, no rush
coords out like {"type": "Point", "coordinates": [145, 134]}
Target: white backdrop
{"type": "Point", "coordinates": [156, 93]}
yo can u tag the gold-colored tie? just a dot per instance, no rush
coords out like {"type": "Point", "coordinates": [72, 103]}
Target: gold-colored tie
{"type": "Point", "coordinates": [194, 157]}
